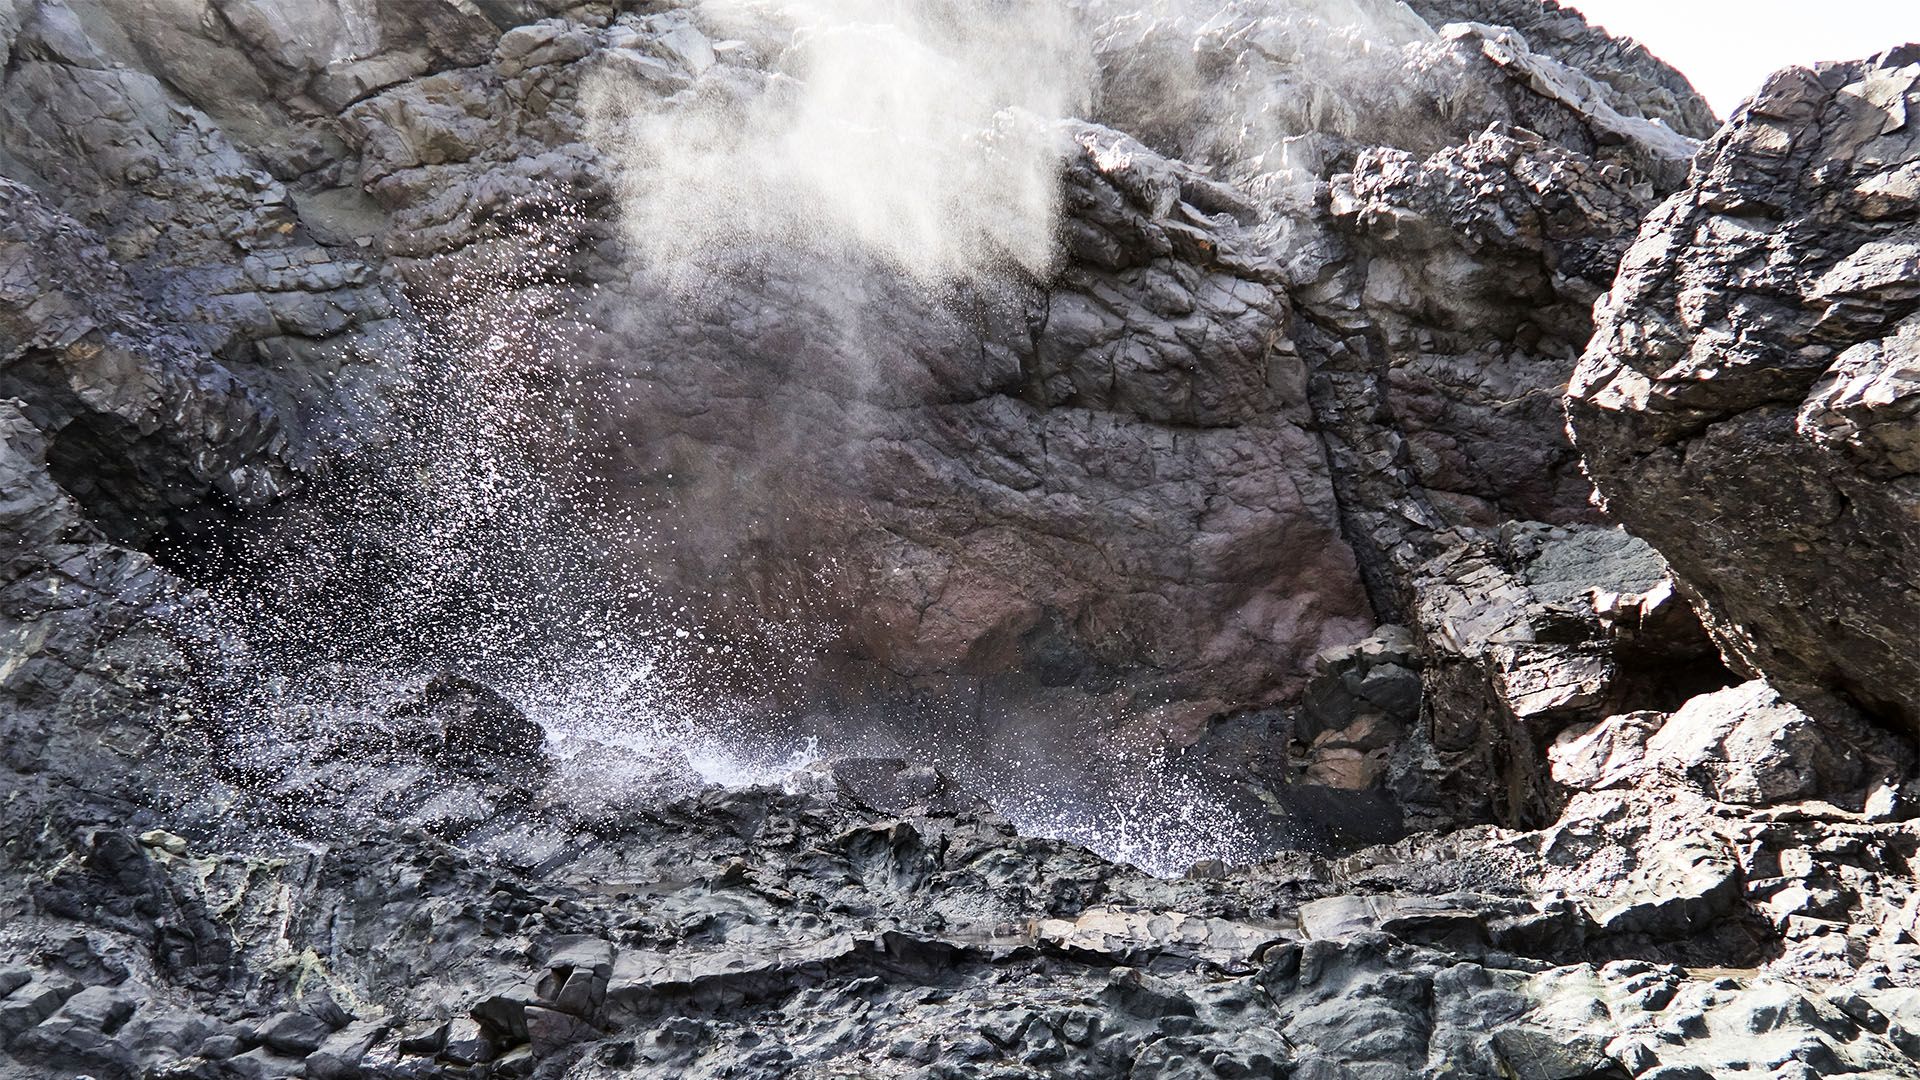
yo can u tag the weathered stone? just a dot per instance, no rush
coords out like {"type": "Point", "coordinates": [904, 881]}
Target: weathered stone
{"type": "Point", "coordinates": [1530, 631]}
{"type": "Point", "coordinates": [295, 1033]}
{"type": "Point", "coordinates": [1750, 356]}
{"type": "Point", "coordinates": [467, 1044]}
{"type": "Point", "coordinates": [480, 730]}
{"type": "Point", "coordinates": [1745, 743]}
{"type": "Point", "coordinates": [339, 1055]}
{"type": "Point", "coordinates": [1681, 888]}
{"type": "Point", "coordinates": [890, 785]}
{"type": "Point", "coordinates": [1154, 485]}
{"type": "Point", "coordinates": [1638, 83]}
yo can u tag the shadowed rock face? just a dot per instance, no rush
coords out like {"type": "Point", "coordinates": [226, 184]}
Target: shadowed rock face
{"type": "Point", "coordinates": [1119, 455]}
{"type": "Point", "coordinates": [1747, 401]}
{"type": "Point", "coordinates": [1131, 501]}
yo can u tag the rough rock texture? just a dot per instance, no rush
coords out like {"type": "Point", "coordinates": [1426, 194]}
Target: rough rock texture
{"type": "Point", "coordinates": [947, 468]}
{"type": "Point", "coordinates": [1259, 479]}
{"type": "Point", "coordinates": [1214, 444]}
{"type": "Point", "coordinates": [1752, 748]}
{"type": "Point", "coordinates": [762, 932]}
{"type": "Point", "coordinates": [1639, 83]}
{"type": "Point", "coordinates": [1032, 465]}
{"type": "Point", "coordinates": [1746, 403]}
{"type": "Point", "coordinates": [1221, 438]}
{"type": "Point", "coordinates": [1527, 632]}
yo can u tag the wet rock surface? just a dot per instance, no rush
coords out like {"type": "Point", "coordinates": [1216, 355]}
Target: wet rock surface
{"type": "Point", "coordinates": [1330, 337]}
{"type": "Point", "coordinates": [1260, 474]}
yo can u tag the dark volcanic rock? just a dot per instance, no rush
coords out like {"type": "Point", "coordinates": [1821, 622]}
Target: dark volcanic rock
{"type": "Point", "coordinates": [477, 729]}
{"type": "Point", "coordinates": [1746, 404]}
{"type": "Point", "coordinates": [1527, 631]}
{"type": "Point", "coordinates": [1744, 743]}
{"type": "Point", "coordinates": [888, 785]}
{"type": "Point", "coordinates": [753, 933]}
{"type": "Point", "coordinates": [1246, 469]}
{"type": "Point", "coordinates": [1209, 442]}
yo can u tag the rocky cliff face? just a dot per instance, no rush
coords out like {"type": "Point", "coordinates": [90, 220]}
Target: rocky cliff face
{"type": "Point", "coordinates": [1200, 490]}
{"type": "Point", "coordinates": [1217, 436]}
{"type": "Point", "coordinates": [1167, 334]}
{"type": "Point", "coordinates": [1744, 405]}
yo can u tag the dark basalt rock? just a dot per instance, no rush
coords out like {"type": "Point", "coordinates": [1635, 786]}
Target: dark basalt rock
{"type": "Point", "coordinates": [1259, 479]}
{"type": "Point", "coordinates": [1743, 406]}
{"type": "Point", "coordinates": [722, 929]}
{"type": "Point", "coordinates": [476, 730]}
{"type": "Point", "coordinates": [889, 785]}
{"type": "Point", "coordinates": [1529, 631]}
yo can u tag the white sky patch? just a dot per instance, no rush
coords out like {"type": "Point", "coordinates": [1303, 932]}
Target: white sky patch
{"type": "Point", "coordinates": [1729, 47]}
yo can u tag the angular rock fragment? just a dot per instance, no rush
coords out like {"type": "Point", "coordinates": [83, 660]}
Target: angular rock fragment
{"type": "Point", "coordinates": [1745, 744]}
{"type": "Point", "coordinates": [1535, 629]}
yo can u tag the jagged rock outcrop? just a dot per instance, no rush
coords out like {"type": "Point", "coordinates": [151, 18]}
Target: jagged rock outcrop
{"type": "Point", "coordinates": [755, 932]}
{"type": "Point", "coordinates": [1006, 472]}
{"type": "Point", "coordinates": [1222, 435]}
{"type": "Point", "coordinates": [1248, 472]}
{"type": "Point", "coordinates": [1638, 82]}
{"type": "Point", "coordinates": [1746, 403]}
{"type": "Point", "coordinates": [1306, 378]}
{"type": "Point", "coordinates": [1750, 747]}
{"type": "Point", "coordinates": [1525, 633]}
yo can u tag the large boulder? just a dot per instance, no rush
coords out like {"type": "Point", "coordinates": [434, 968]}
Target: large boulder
{"type": "Point", "coordinates": [1747, 402]}
{"type": "Point", "coordinates": [1742, 745]}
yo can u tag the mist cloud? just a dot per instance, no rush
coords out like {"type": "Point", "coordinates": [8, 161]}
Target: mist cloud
{"type": "Point", "coordinates": [926, 132]}
{"type": "Point", "coordinates": [920, 133]}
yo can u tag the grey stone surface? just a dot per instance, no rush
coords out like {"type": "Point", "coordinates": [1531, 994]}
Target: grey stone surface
{"type": "Point", "coordinates": [1526, 632]}
{"type": "Point", "coordinates": [364, 154]}
{"type": "Point", "coordinates": [1638, 82]}
{"type": "Point", "coordinates": [716, 931]}
{"type": "Point", "coordinates": [1724, 407]}
{"type": "Point", "coordinates": [1261, 470]}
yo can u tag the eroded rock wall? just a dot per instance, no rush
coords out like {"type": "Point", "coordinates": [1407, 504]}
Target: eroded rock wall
{"type": "Point", "coordinates": [869, 918]}
{"type": "Point", "coordinates": [1289, 373]}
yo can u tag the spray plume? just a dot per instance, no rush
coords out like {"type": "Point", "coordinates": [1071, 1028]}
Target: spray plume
{"type": "Point", "coordinates": [921, 136]}
{"type": "Point", "coordinates": [919, 133]}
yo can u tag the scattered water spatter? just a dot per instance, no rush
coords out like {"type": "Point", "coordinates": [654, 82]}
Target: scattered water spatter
{"type": "Point", "coordinates": [476, 540]}
{"type": "Point", "coordinates": [1158, 819]}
